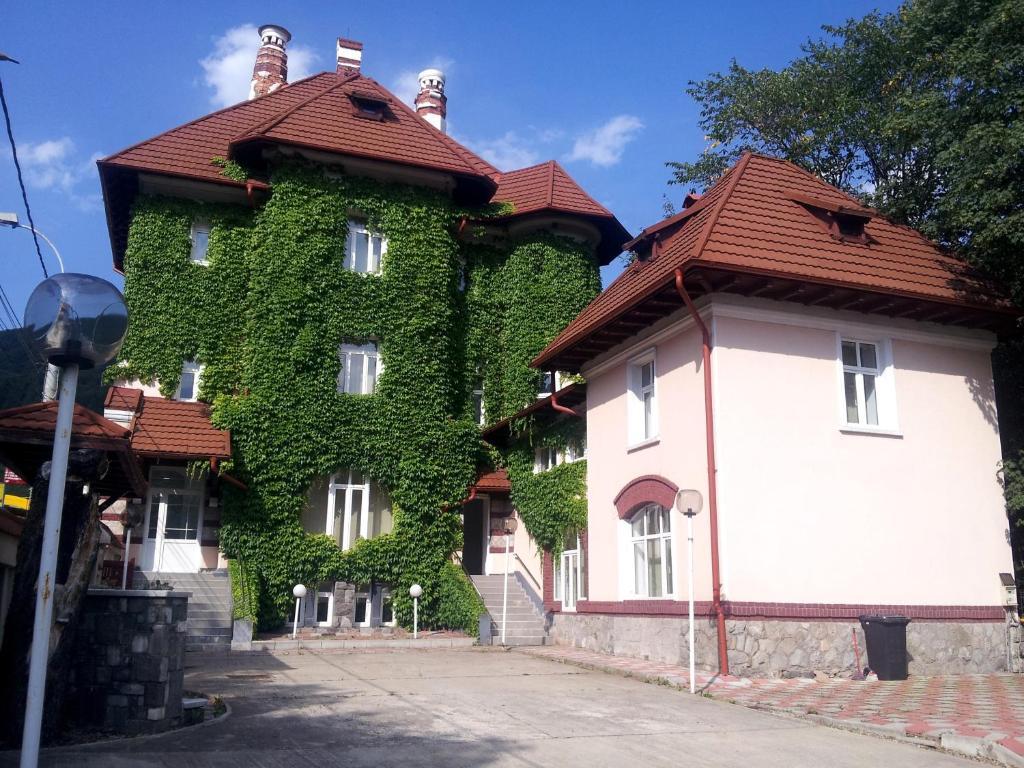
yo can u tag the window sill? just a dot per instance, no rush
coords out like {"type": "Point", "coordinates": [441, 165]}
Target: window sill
{"type": "Point", "coordinates": [862, 429]}
{"type": "Point", "coordinates": [643, 444]}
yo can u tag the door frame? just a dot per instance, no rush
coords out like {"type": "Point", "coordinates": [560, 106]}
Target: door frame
{"type": "Point", "coordinates": [151, 552]}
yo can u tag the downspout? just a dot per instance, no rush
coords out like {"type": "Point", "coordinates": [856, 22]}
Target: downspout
{"type": "Point", "coordinates": [557, 405]}
{"type": "Point", "coordinates": [709, 427]}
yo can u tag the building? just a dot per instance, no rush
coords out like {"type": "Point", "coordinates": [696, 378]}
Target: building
{"type": "Point", "coordinates": [352, 294]}
{"type": "Point", "coordinates": [822, 377]}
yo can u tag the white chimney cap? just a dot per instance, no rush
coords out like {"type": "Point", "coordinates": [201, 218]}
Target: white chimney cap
{"type": "Point", "coordinates": [429, 75]}
{"type": "Point", "coordinates": [275, 31]}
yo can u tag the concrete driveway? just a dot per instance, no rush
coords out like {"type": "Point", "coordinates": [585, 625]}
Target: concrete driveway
{"type": "Point", "coordinates": [473, 707]}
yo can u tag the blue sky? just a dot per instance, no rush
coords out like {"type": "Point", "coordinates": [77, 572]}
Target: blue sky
{"type": "Point", "coordinates": [598, 86]}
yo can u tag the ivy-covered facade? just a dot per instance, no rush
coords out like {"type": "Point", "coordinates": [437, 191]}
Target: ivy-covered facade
{"type": "Point", "coordinates": [354, 324]}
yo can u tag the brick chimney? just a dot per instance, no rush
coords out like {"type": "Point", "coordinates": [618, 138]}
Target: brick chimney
{"type": "Point", "coordinates": [271, 70]}
{"type": "Point", "coordinates": [350, 56]}
{"type": "Point", "coordinates": [431, 103]}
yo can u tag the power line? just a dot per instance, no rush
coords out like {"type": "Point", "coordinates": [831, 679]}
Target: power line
{"type": "Point", "coordinates": [21, 181]}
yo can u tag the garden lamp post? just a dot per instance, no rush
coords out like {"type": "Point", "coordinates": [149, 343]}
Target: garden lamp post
{"type": "Point", "coordinates": [509, 524]}
{"type": "Point", "coordinates": [299, 590]}
{"type": "Point", "coordinates": [689, 502]}
{"type": "Point", "coordinates": [414, 592]}
{"type": "Point", "coordinates": [76, 321]}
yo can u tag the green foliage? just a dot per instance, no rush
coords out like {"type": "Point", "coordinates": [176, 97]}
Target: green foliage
{"type": "Point", "coordinates": [552, 504]}
{"type": "Point", "coordinates": [231, 169]}
{"type": "Point", "coordinates": [266, 317]}
{"type": "Point", "coordinates": [245, 592]}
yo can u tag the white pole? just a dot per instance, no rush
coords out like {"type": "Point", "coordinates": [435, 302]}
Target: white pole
{"type": "Point", "coordinates": [124, 570]}
{"type": "Point", "coordinates": [295, 626]}
{"type": "Point", "coordinates": [51, 382]}
{"type": "Point", "coordinates": [415, 618]}
{"type": "Point", "coordinates": [689, 539]}
{"type": "Point", "coordinates": [504, 593]}
{"type": "Point", "coordinates": [40, 652]}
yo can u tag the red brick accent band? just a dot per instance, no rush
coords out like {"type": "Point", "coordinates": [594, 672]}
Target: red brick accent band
{"type": "Point", "coordinates": [794, 611]}
{"type": "Point", "coordinates": [498, 549]}
{"type": "Point", "coordinates": [643, 490]}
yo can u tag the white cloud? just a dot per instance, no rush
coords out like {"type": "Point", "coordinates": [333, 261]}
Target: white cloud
{"type": "Point", "coordinates": [406, 84]}
{"type": "Point", "coordinates": [506, 152]}
{"type": "Point", "coordinates": [55, 165]}
{"type": "Point", "coordinates": [228, 68]}
{"type": "Point", "coordinates": [604, 145]}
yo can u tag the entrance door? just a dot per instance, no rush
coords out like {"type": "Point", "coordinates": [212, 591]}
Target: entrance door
{"type": "Point", "coordinates": [475, 523]}
{"type": "Point", "coordinates": [173, 522]}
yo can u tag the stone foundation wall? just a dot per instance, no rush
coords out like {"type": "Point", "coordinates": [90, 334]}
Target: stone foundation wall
{"type": "Point", "coordinates": [760, 648]}
{"type": "Point", "coordinates": [130, 660]}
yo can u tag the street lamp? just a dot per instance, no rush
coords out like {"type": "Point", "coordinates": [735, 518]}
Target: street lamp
{"type": "Point", "coordinates": [299, 590]}
{"type": "Point", "coordinates": [690, 502]}
{"type": "Point", "coordinates": [76, 321]}
{"type": "Point", "coordinates": [509, 524]}
{"type": "Point", "coordinates": [414, 592]}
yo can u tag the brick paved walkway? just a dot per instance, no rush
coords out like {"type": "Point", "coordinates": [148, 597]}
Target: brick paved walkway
{"type": "Point", "coordinates": [979, 715]}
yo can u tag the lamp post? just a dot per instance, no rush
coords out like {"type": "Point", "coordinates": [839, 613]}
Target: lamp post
{"type": "Point", "coordinates": [690, 502]}
{"type": "Point", "coordinates": [299, 590]}
{"type": "Point", "coordinates": [509, 524]}
{"type": "Point", "coordinates": [414, 592]}
{"type": "Point", "coordinates": [76, 321]}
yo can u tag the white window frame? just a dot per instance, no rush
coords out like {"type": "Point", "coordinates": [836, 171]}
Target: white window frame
{"type": "Point", "coordinates": [885, 387]}
{"type": "Point", "coordinates": [357, 227]}
{"type": "Point", "coordinates": [666, 539]}
{"type": "Point", "coordinates": [196, 369]}
{"type": "Point", "coordinates": [638, 433]}
{"type": "Point", "coordinates": [541, 451]}
{"type": "Point", "coordinates": [478, 397]}
{"type": "Point", "coordinates": [329, 594]}
{"type": "Point", "coordinates": [368, 350]}
{"type": "Point", "coordinates": [575, 452]}
{"type": "Point", "coordinates": [558, 573]}
{"type": "Point", "coordinates": [196, 254]}
{"type": "Point", "coordinates": [342, 481]}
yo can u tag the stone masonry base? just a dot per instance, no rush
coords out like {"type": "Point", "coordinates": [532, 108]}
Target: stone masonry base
{"type": "Point", "coordinates": [776, 648]}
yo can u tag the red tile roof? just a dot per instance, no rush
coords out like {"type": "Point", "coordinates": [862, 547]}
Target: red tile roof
{"type": "Point", "coordinates": [756, 221]}
{"type": "Point", "coordinates": [42, 418]}
{"type": "Point", "coordinates": [175, 429]}
{"type": "Point", "coordinates": [493, 482]}
{"type": "Point", "coordinates": [123, 399]}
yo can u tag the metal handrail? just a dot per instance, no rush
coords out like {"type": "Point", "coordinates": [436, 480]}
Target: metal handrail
{"type": "Point", "coordinates": [528, 573]}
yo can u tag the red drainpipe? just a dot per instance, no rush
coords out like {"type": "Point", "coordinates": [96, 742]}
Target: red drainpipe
{"type": "Point", "coordinates": [709, 427]}
{"type": "Point", "coordinates": [557, 405]}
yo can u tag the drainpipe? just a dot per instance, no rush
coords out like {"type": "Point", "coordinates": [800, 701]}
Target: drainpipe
{"type": "Point", "coordinates": [557, 405]}
{"type": "Point", "coordinates": [709, 427]}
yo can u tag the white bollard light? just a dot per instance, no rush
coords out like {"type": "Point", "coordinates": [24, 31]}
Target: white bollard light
{"type": "Point", "coordinates": [414, 592]}
{"type": "Point", "coordinates": [299, 590]}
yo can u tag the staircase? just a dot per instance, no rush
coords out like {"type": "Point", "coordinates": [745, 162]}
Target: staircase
{"type": "Point", "coordinates": [209, 607]}
{"type": "Point", "coordinates": [525, 621]}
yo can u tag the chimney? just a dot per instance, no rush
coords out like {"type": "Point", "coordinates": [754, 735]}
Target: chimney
{"type": "Point", "coordinates": [350, 56]}
{"type": "Point", "coordinates": [431, 103]}
{"type": "Point", "coordinates": [271, 70]}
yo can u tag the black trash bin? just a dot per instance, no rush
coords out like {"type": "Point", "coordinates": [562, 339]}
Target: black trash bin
{"type": "Point", "coordinates": [886, 639]}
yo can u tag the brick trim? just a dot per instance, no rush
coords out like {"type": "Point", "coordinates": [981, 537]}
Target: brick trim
{"type": "Point", "coordinates": [793, 611]}
{"type": "Point", "coordinates": [643, 490]}
{"type": "Point", "coordinates": [497, 549]}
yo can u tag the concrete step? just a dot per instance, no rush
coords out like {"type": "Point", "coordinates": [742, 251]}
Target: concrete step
{"type": "Point", "coordinates": [209, 635]}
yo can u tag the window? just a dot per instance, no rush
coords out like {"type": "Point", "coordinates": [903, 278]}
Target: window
{"type": "Point", "coordinates": [651, 529]}
{"type": "Point", "coordinates": [325, 604]}
{"type": "Point", "coordinates": [360, 367]}
{"type": "Point", "coordinates": [364, 249]}
{"type": "Point", "coordinates": [570, 574]}
{"type": "Point", "coordinates": [175, 505]}
{"type": "Point", "coordinates": [200, 241]}
{"type": "Point", "coordinates": [575, 451]}
{"type": "Point", "coordinates": [860, 381]}
{"type": "Point", "coordinates": [478, 402]}
{"type": "Point", "coordinates": [643, 403]}
{"type": "Point", "coordinates": [357, 508]}
{"type": "Point", "coordinates": [544, 458]}
{"type": "Point", "coordinates": [546, 383]}
{"type": "Point", "coordinates": [188, 385]}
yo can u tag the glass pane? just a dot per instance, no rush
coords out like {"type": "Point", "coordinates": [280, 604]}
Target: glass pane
{"type": "Point", "coordinates": [380, 511]}
{"type": "Point", "coordinates": [188, 386]}
{"type": "Point", "coordinates": [640, 568]}
{"type": "Point", "coordinates": [666, 520]}
{"type": "Point", "coordinates": [654, 585]}
{"type": "Point", "coordinates": [868, 357]}
{"type": "Point", "coordinates": [375, 263]}
{"type": "Point", "coordinates": [339, 516]}
{"type": "Point", "coordinates": [356, 516]}
{"type": "Point", "coordinates": [361, 252]}
{"type": "Point", "coordinates": [567, 580]}
{"type": "Point", "coordinates": [638, 524]}
{"type": "Point", "coordinates": [323, 608]}
{"type": "Point", "coordinates": [478, 407]}
{"type": "Point", "coordinates": [182, 517]}
{"type": "Point", "coordinates": [653, 519]}
{"type": "Point", "coordinates": [870, 404]}
{"type": "Point", "coordinates": [850, 353]}
{"type": "Point", "coordinates": [200, 242]}
{"type": "Point", "coordinates": [646, 375]}
{"type": "Point", "coordinates": [850, 385]}
{"type": "Point", "coordinates": [360, 613]}
{"type": "Point", "coordinates": [387, 611]}
{"type": "Point", "coordinates": [668, 566]}
{"type": "Point", "coordinates": [154, 515]}
{"type": "Point", "coordinates": [648, 414]}
{"type": "Point", "coordinates": [355, 477]}
{"type": "Point", "coordinates": [557, 577]}
{"type": "Point", "coordinates": [371, 374]}
{"type": "Point", "coordinates": [354, 375]}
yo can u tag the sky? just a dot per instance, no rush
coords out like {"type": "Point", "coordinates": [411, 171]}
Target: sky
{"type": "Point", "coordinates": [598, 86]}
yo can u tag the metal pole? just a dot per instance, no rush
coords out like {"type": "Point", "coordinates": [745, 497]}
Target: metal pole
{"type": "Point", "coordinates": [40, 652]}
{"type": "Point", "coordinates": [689, 539]}
{"type": "Point", "coordinates": [295, 626]}
{"type": "Point", "coordinates": [49, 242]}
{"type": "Point", "coordinates": [51, 382]}
{"type": "Point", "coordinates": [415, 618]}
{"type": "Point", "coordinates": [504, 593]}
{"type": "Point", "coordinates": [124, 570]}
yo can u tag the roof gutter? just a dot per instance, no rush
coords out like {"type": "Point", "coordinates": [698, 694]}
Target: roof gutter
{"type": "Point", "coordinates": [214, 462]}
{"type": "Point", "coordinates": [709, 430]}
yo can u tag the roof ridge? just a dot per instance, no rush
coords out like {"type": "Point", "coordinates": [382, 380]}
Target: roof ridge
{"type": "Point", "coordinates": [716, 212]}
{"type": "Point", "coordinates": [268, 125]}
{"type": "Point", "coordinates": [202, 118]}
{"type": "Point", "coordinates": [551, 182]}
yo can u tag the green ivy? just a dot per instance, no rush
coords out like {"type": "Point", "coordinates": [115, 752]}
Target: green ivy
{"type": "Point", "coordinates": [244, 592]}
{"type": "Point", "coordinates": [266, 317]}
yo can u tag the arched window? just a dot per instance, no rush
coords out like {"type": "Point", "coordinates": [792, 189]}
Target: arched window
{"type": "Point", "coordinates": [651, 529]}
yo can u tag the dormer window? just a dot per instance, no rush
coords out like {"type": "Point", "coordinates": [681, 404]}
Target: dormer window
{"type": "Point", "coordinates": [370, 107]}
{"type": "Point", "coordinates": [843, 222]}
{"type": "Point", "coordinates": [200, 236]}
